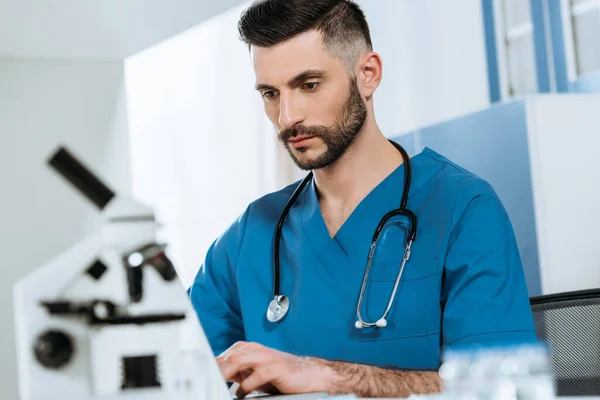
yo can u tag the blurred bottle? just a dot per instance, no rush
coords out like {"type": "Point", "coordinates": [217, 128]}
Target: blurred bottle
{"type": "Point", "coordinates": [508, 373]}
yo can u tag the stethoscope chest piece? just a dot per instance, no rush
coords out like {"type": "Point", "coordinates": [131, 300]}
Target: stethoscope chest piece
{"type": "Point", "coordinates": [278, 308]}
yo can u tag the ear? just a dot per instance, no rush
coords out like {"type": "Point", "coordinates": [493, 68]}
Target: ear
{"type": "Point", "coordinates": [370, 69]}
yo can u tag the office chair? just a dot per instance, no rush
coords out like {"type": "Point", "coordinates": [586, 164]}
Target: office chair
{"type": "Point", "coordinates": [569, 324]}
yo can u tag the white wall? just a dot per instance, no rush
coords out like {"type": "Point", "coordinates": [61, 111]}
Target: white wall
{"type": "Point", "coordinates": [201, 146]}
{"type": "Point", "coordinates": [434, 62]}
{"type": "Point", "coordinates": [563, 142]}
{"type": "Point", "coordinates": [107, 29]}
{"type": "Point", "coordinates": [44, 104]}
{"type": "Point", "coordinates": [391, 33]}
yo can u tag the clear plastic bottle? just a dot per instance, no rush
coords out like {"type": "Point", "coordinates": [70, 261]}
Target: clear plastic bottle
{"type": "Point", "coordinates": [507, 373]}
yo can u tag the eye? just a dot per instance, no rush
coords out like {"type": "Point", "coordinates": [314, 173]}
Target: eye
{"type": "Point", "coordinates": [269, 94]}
{"type": "Point", "coordinates": [311, 85]}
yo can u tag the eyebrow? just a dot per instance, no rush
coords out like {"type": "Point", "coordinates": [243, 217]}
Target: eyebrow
{"type": "Point", "coordinates": [310, 73]}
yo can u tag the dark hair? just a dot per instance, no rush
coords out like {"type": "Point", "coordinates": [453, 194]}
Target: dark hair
{"type": "Point", "coordinates": [341, 23]}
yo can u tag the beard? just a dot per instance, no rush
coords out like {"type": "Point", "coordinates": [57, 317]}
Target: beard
{"type": "Point", "coordinates": [337, 138]}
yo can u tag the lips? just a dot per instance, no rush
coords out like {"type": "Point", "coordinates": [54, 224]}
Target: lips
{"type": "Point", "coordinates": [297, 139]}
{"type": "Point", "coordinates": [300, 142]}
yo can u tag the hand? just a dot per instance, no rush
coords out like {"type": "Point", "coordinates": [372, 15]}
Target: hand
{"type": "Point", "coordinates": [256, 367]}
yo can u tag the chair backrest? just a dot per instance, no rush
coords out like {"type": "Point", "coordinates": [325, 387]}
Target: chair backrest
{"type": "Point", "coordinates": [569, 323]}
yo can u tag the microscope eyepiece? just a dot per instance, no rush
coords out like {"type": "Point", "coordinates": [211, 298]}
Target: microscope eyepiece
{"type": "Point", "coordinates": [81, 177]}
{"type": "Point", "coordinates": [164, 266]}
{"type": "Point", "coordinates": [153, 255]}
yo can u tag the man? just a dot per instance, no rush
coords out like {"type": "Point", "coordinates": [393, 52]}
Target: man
{"type": "Point", "coordinates": [463, 284]}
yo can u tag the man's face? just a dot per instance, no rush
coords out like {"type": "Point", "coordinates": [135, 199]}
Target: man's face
{"type": "Point", "coordinates": [315, 106]}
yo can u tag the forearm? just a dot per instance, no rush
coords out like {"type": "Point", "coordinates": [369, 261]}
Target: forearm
{"type": "Point", "coordinates": [368, 381]}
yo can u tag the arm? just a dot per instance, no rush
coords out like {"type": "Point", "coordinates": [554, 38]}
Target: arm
{"type": "Point", "coordinates": [368, 381]}
{"type": "Point", "coordinates": [484, 294]}
{"type": "Point", "coordinates": [214, 292]}
{"type": "Point", "coordinates": [256, 367]}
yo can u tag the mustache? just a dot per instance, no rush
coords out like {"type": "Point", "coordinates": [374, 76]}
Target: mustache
{"type": "Point", "coordinates": [301, 130]}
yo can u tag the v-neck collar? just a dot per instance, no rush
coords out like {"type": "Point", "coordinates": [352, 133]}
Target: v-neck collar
{"type": "Point", "coordinates": [354, 236]}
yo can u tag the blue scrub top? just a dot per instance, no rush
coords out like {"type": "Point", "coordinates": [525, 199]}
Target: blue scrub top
{"type": "Point", "coordinates": [463, 284]}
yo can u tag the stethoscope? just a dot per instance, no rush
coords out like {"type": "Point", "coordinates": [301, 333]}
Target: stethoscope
{"type": "Point", "coordinates": [280, 305]}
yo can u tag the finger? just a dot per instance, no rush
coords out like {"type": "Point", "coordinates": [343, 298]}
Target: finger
{"type": "Point", "coordinates": [237, 363]}
{"type": "Point", "coordinates": [234, 347]}
{"type": "Point", "coordinates": [235, 381]}
{"type": "Point", "coordinates": [236, 378]}
{"type": "Point", "coordinates": [241, 361]}
{"type": "Point", "coordinates": [267, 389]}
{"type": "Point", "coordinates": [260, 379]}
{"type": "Point", "coordinates": [240, 347]}
{"type": "Point", "coordinates": [241, 376]}
{"type": "Point", "coordinates": [237, 348]}
{"type": "Point", "coordinates": [234, 350]}
{"type": "Point", "coordinates": [223, 356]}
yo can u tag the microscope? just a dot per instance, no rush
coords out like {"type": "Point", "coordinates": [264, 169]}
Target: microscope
{"type": "Point", "coordinates": [108, 318]}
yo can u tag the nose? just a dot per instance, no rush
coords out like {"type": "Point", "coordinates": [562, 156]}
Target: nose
{"type": "Point", "coordinates": [289, 113]}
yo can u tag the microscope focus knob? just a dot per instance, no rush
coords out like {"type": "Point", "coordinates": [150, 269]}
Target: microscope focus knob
{"type": "Point", "coordinates": [53, 349]}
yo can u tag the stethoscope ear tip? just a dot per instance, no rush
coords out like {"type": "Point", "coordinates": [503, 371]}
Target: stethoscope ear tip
{"type": "Point", "coordinates": [382, 323]}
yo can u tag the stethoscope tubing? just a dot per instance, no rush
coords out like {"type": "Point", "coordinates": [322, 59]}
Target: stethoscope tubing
{"type": "Point", "coordinates": [278, 298]}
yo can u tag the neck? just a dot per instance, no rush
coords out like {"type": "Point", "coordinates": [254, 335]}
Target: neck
{"type": "Point", "coordinates": [365, 164]}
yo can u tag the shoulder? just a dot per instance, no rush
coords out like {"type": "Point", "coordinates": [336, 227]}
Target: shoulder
{"type": "Point", "coordinates": [271, 203]}
{"type": "Point", "coordinates": [455, 178]}
{"type": "Point", "coordinates": [460, 188]}
{"type": "Point", "coordinates": [262, 212]}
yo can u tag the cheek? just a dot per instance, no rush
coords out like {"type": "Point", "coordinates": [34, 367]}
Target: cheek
{"type": "Point", "coordinates": [326, 109]}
